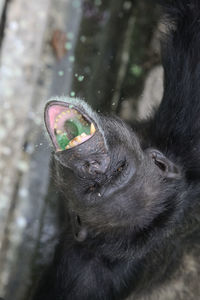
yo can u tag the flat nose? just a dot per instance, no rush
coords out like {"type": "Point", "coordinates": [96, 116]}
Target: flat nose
{"type": "Point", "coordinates": [98, 165]}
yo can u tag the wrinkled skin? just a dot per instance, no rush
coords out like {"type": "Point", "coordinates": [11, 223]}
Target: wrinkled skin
{"type": "Point", "coordinates": [118, 186]}
{"type": "Point", "coordinates": [132, 191]}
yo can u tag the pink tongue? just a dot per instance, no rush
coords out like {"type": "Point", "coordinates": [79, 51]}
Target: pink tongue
{"type": "Point", "coordinates": [53, 111]}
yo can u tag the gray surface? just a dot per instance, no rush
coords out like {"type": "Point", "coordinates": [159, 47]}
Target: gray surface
{"type": "Point", "coordinates": [17, 84]}
{"type": "Point", "coordinates": [2, 3]}
{"type": "Point", "coordinates": [69, 22]}
{"type": "Point", "coordinates": [27, 219]}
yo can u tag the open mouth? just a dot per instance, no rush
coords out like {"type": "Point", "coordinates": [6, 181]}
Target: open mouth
{"type": "Point", "coordinates": [67, 125]}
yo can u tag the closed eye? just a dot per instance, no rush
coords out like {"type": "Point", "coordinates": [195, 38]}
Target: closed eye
{"type": "Point", "coordinates": [117, 172]}
{"type": "Point", "coordinates": [122, 166]}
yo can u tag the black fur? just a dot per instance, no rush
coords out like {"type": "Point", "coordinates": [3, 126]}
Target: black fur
{"type": "Point", "coordinates": [135, 213]}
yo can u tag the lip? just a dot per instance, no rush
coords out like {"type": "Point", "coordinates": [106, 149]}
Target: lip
{"type": "Point", "coordinates": [50, 120]}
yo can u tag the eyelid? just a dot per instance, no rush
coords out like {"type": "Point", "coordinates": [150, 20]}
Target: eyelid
{"type": "Point", "coordinates": [121, 166]}
{"type": "Point", "coordinates": [115, 174]}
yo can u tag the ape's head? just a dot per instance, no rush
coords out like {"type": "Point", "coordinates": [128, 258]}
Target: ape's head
{"type": "Point", "coordinates": [102, 170]}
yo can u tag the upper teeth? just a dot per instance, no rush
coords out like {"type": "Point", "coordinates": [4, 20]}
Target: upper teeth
{"type": "Point", "coordinates": [78, 139]}
{"type": "Point", "coordinates": [63, 113]}
{"type": "Point", "coordinates": [83, 134]}
{"type": "Point", "coordinates": [92, 129]}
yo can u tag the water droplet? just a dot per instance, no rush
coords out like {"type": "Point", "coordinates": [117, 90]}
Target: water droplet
{"type": "Point", "coordinates": [70, 35]}
{"type": "Point", "coordinates": [23, 193]}
{"type": "Point", "coordinates": [60, 73]}
{"type": "Point", "coordinates": [22, 166]}
{"type": "Point", "coordinates": [83, 39]}
{"type": "Point", "coordinates": [127, 5]}
{"type": "Point", "coordinates": [71, 58]}
{"type": "Point", "coordinates": [21, 222]}
{"type": "Point", "coordinates": [136, 70]}
{"type": "Point", "coordinates": [80, 78]}
{"type": "Point", "coordinates": [14, 26]}
{"type": "Point", "coordinates": [68, 45]}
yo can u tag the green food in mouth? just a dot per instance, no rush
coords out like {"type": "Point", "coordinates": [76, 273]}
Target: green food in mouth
{"type": "Point", "coordinates": [71, 129]}
{"type": "Point", "coordinates": [62, 140]}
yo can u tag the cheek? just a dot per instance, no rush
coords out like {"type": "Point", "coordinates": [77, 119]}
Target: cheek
{"type": "Point", "coordinates": [127, 207]}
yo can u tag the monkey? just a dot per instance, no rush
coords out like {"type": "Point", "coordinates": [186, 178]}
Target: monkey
{"type": "Point", "coordinates": [132, 191]}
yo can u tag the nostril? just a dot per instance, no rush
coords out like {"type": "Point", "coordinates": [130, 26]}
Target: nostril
{"type": "Point", "coordinates": [94, 167]}
{"type": "Point", "coordinates": [99, 165]}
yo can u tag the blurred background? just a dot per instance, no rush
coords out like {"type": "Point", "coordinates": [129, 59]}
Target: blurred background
{"type": "Point", "coordinates": [106, 52]}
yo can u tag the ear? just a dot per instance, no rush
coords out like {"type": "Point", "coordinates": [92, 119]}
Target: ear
{"type": "Point", "coordinates": [167, 167]}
